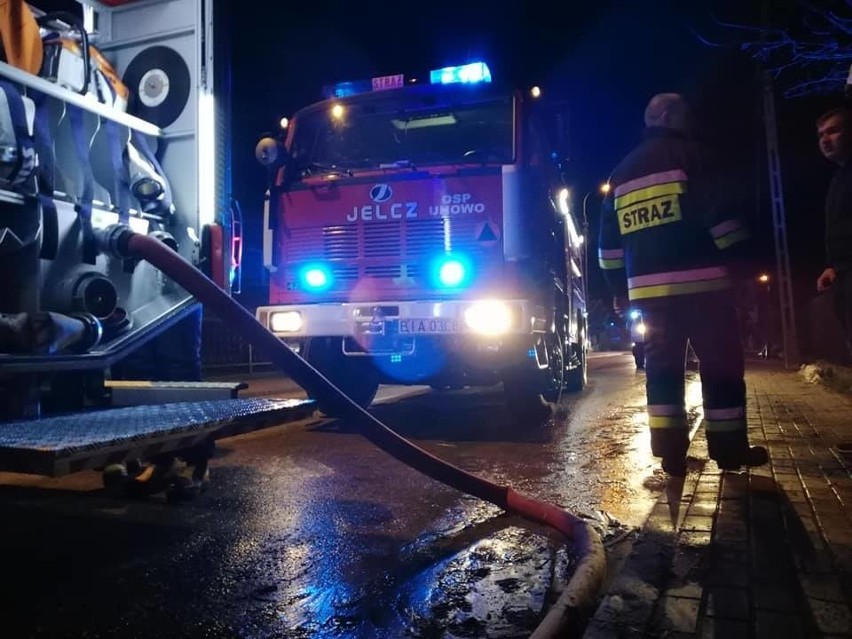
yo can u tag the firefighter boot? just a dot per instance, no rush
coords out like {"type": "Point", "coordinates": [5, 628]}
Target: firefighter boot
{"type": "Point", "coordinates": [731, 451]}
{"type": "Point", "coordinates": [671, 444]}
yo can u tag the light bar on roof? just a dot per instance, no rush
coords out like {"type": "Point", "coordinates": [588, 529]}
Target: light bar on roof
{"type": "Point", "coordinates": [465, 74]}
{"type": "Point", "coordinates": [379, 83]}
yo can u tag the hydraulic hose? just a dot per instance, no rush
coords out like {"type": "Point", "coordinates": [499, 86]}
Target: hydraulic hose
{"type": "Point", "coordinates": [589, 574]}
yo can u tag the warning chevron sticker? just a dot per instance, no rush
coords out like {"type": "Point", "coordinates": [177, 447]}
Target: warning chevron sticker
{"type": "Point", "coordinates": [487, 233]}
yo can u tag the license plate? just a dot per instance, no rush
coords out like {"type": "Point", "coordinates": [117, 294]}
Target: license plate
{"type": "Point", "coordinates": [370, 328]}
{"type": "Point", "coordinates": [428, 326]}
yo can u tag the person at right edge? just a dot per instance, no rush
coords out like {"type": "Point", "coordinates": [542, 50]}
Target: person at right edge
{"type": "Point", "coordinates": [667, 243]}
{"type": "Point", "coordinates": [834, 133]}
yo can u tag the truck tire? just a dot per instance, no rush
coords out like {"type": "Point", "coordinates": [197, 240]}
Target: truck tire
{"type": "Point", "coordinates": [356, 377]}
{"type": "Point", "coordinates": [530, 393]}
{"type": "Point", "coordinates": [576, 377]}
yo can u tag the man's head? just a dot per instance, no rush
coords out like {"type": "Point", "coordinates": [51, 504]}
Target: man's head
{"type": "Point", "coordinates": [834, 133]}
{"type": "Point", "coordinates": [668, 110]}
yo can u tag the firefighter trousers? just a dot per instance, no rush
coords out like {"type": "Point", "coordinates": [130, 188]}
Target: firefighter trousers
{"type": "Point", "coordinates": [709, 322]}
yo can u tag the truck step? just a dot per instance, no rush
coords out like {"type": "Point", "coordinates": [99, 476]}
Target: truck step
{"type": "Point", "coordinates": [138, 392]}
{"type": "Point", "coordinates": [69, 443]}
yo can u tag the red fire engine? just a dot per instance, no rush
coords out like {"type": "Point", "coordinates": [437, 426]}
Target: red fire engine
{"type": "Point", "coordinates": [421, 233]}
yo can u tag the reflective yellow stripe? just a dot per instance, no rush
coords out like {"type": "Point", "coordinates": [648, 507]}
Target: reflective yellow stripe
{"type": "Point", "coordinates": [731, 238]}
{"type": "Point", "coordinates": [668, 421]}
{"type": "Point", "coordinates": [670, 188]}
{"type": "Point", "coordinates": [649, 213]}
{"type": "Point", "coordinates": [724, 425]}
{"type": "Point", "coordinates": [680, 288]}
{"type": "Point", "coordinates": [609, 265]}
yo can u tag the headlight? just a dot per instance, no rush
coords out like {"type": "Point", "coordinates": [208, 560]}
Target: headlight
{"type": "Point", "coordinates": [489, 318]}
{"type": "Point", "coordinates": [285, 322]}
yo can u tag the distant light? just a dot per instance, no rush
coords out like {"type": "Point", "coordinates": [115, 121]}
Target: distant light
{"type": "Point", "coordinates": [337, 111]}
{"type": "Point", "coordinates": [634, 315]}
{"type": "Point", "coordinates": [284, 123]}
{"type": "Point", "coordinates": [763, 279]}
{"type": "Point", "coordinates": [605, 187]}
{"type": "Point", "coordinates": [413, 80]}
{"type": "Point", "coordinates": [465, 74]}
{"type": "Point", "coordinates": [535, 92]}
{"type": "Point", "coordinates": [640, 328]}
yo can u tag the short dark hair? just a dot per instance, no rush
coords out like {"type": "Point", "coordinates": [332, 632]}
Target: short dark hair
{"type": "Point", "coordinates": [845, 114]}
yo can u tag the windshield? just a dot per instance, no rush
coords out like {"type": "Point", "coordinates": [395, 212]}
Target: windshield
{"type": "Point", "coordinates": [404, 130]}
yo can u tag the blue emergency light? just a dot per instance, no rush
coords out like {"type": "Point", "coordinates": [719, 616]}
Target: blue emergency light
{"type": "Point", "coordinates": [379, 83]}
{"type": "Point", "coordinates": [472, 73]}
{"type": "Point", "coordinates": [451, 271]}
{"type": "Point", "coordinates": [465, 74]}
{"type": "Point", "coordinates": [315, 277]}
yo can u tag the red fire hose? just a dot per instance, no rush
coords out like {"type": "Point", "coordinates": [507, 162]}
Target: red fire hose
{"type": "Point", "coordinates": [588, 577]}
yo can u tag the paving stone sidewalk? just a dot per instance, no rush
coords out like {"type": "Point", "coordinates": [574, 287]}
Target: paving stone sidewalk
{"type": "Point", "coordinates": [760, 553]}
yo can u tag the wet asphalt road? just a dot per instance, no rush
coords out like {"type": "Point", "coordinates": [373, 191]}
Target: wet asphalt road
{"type": "Point", "coordinates": [311, 531]}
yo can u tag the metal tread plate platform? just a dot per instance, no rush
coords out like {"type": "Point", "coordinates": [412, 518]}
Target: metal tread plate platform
{"type": "Point", "coordinates": [68, 443]}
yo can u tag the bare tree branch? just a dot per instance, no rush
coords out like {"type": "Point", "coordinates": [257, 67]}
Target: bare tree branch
{"type": "Point", "coordinates": [812, 57]}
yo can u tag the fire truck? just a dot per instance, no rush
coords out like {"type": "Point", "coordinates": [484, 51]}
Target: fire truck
{"type": "Point", "coordinates": [419, 231]}
{"type": "Point", "coordinates": [112, 118]}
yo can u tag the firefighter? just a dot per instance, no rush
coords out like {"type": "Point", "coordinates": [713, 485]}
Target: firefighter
{"type": "Point", "coordinates": [666, 242]}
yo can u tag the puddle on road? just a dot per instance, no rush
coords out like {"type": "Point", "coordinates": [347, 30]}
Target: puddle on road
{"type": "Point", "coordinates": [496, 587]}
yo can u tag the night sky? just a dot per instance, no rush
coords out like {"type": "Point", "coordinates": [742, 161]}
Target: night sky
{"type": "Point", "coordinates": [606, 58]}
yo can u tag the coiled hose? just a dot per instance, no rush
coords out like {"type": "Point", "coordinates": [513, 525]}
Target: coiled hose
{"type": "Point", "coordinates": [588, 577]}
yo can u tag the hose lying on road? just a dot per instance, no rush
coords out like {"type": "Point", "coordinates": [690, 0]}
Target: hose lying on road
{"type": "Point", "coordinates": [588, 577]}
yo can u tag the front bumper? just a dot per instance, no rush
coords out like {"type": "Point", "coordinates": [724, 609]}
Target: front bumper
{"type": "Point", "coordinates": [446, 318]}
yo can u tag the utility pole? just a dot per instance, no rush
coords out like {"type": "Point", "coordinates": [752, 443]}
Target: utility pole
{"type": "Point", "coordinates": [786, 308]}
{"type": "Point", "coordinates": [779, 222]}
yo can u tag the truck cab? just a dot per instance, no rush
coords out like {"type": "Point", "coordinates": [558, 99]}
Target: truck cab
{"type": "Point", "coordinates": [419, 232]}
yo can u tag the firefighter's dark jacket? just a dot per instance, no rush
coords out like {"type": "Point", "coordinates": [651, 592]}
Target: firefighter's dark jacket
{"type": "Point", "coordinates": [665, 223]}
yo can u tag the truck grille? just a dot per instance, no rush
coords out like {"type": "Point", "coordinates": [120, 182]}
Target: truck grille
{"type": "Point", "coordinates": [381, 247]}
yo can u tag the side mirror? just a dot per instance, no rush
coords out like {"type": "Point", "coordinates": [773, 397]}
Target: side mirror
{"type": "Point", "coordinates": [270, 152]}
